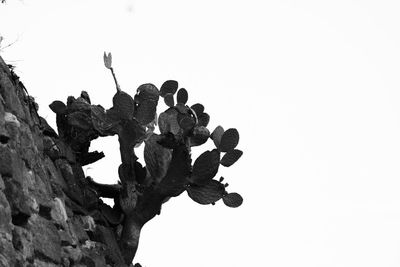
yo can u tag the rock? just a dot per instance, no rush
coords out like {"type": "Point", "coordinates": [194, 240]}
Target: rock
{"type": "Point", "coordinates": [40, 263]}
{"type": "Point", "coordinates": [6, 162]}
{"type": "Point", "coordinates": [9, 92]}
{"type": "Point", "coordinates": [7, 248]}
{"type": "Point", "coordinates": [65, 262]}
{"type": "Point", "coordinates": [22, 204]}
{"type": "Point", "coordinates": [45, 233]}
{"type": "Point", "coordinates": [88, 223]}
{"type": "Point", "coordinates": [53, 175]}
{"type": "Point", "coordinates": [73, 254]}
{"type": "Point", "coordinates": [77, 228]}
{"type": "Point", "coordinates": [89, 244]}
{"type": "Point", "coordinates": [74, 190]}
{"type": "Point", "coordinates": [67, 238]}
{"type": "Point", "coordinates": [3, 261]}
{"type": "Point", "coordinates": [5, 214]}
{"type": "Point", "coordinates": [58, 212]}
{"type": "Point", "coordinates": [22, 241]}
{"type": "Point", "coordinates": [10, 118]}
{"type": "Point", "coordinates": [50, 148]}
{"type": "Point", "coordinates": [26, 148]}
{"type": "Point", "coordinates": [2, 186]}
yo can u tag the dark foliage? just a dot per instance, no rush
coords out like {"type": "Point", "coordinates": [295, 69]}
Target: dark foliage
{"type": "Point", "coordinates": [169, 169]}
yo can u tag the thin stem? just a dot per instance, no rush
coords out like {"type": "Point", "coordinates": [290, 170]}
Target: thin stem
{"type": "Point", "coordinates": [115, 80]}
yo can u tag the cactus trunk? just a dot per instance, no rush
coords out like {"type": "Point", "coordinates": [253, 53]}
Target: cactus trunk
{"type": "Point", "coordinates": [130, 238]}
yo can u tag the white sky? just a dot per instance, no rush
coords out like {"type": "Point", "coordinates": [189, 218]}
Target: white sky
{"type": "Point", "coordinates": [312, 87]}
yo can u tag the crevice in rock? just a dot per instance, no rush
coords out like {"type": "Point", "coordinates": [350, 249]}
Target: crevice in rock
{"type": "Point", "coordinates": [4, 139]}
{"type": "Point", "coordinates": [45, 212]}
{"type": "Point", "coordinates": [20, 219]}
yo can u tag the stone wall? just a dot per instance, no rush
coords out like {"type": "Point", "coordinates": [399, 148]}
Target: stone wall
{"type": "Point", "coordinates": [49, 216]}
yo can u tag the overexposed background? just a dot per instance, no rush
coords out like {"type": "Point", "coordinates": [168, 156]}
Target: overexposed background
{"type": "Point", "coordinates": [312, 86]}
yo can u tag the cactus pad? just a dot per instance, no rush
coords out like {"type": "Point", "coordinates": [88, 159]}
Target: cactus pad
{"type": "Point", "coordinates": [104, 124]}
{"type": "Point", "coordinates": [124, 105]}
{"type": "Point", "coordinates": [207, 193]}
{"type": "Point", "coordinates": [147, 91]}
{"type": "Point", "coordinates": [198, 108]}
{"type": "Point", "coordinates": [80, 120]}
{"type": "Point", "coordinates": [229, 140]}
{"type": "Point", "coordinates": [169, 87]}
{"type": "Point", "coordinates": [231, 157]}
{"type": "Point", "coordinates": [168, 122]}
{"type": "Point", "coordinates": [204, 119]}
{"type": "Point", "coordinates": [169, 100]}
{"type": "Point", "coordinates": [205, 167]}
{"type": "Point", "coordinates": [217, 135]}
{"type": "Point", "coordinates": [232, 200]}
{"type": "Point", "coordinates": [200, 136]}
{"type": "Point", "coordinates": [146, 111]}
{"type": "Point", "coordinates": [157, 157]}
{"type": "Point", "coordinates": [58, 107]}
{"type": "Point", "coordinates": [186, 123]}
{"type": "Point", "coordinates": [182, 96]}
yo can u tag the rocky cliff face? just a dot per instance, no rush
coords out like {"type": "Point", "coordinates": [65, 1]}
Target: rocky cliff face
{"type": "Point", "coordinates": [49, 216]}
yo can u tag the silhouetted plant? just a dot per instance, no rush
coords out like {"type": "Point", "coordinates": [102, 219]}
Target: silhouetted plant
{"type": "Point", "coordinates": [169, 170]}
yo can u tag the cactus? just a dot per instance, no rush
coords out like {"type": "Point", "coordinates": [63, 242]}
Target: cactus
{"type": "Point", "coordinates": [229, 140]}
{"type": "Point", "coordinates": [169, 100]}
{"type": "Point", "coordinates": [208, 193]}
{"type": "Point", "coordinates": [182, 96]}
{"type": "Point", "coordinates": [168, 87]}
{"type": "Point", "coordinates": [232, 200]}
{"type": "Point", "coordinates": [217, 135]}
{"type": "Point", "coordinates": [231, 157]}
{"type": "Point", "coordinates": [205, 167]}
{"type": "Point", "coordinates": [169, 169]}
{"type": "Point", "coordinates": [124, 105]}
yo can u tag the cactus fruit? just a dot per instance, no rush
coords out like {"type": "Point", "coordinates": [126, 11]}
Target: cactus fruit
{"type": "Point", "coordinates": [229, 140]}
{"type": "Point", "coordinates": [231, 157]}
{"type": "Point", "coordinates": [232, 200]}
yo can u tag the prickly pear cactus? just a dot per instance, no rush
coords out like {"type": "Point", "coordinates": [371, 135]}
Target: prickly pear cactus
{"type": "Point", "coordinates": [169, 169]}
